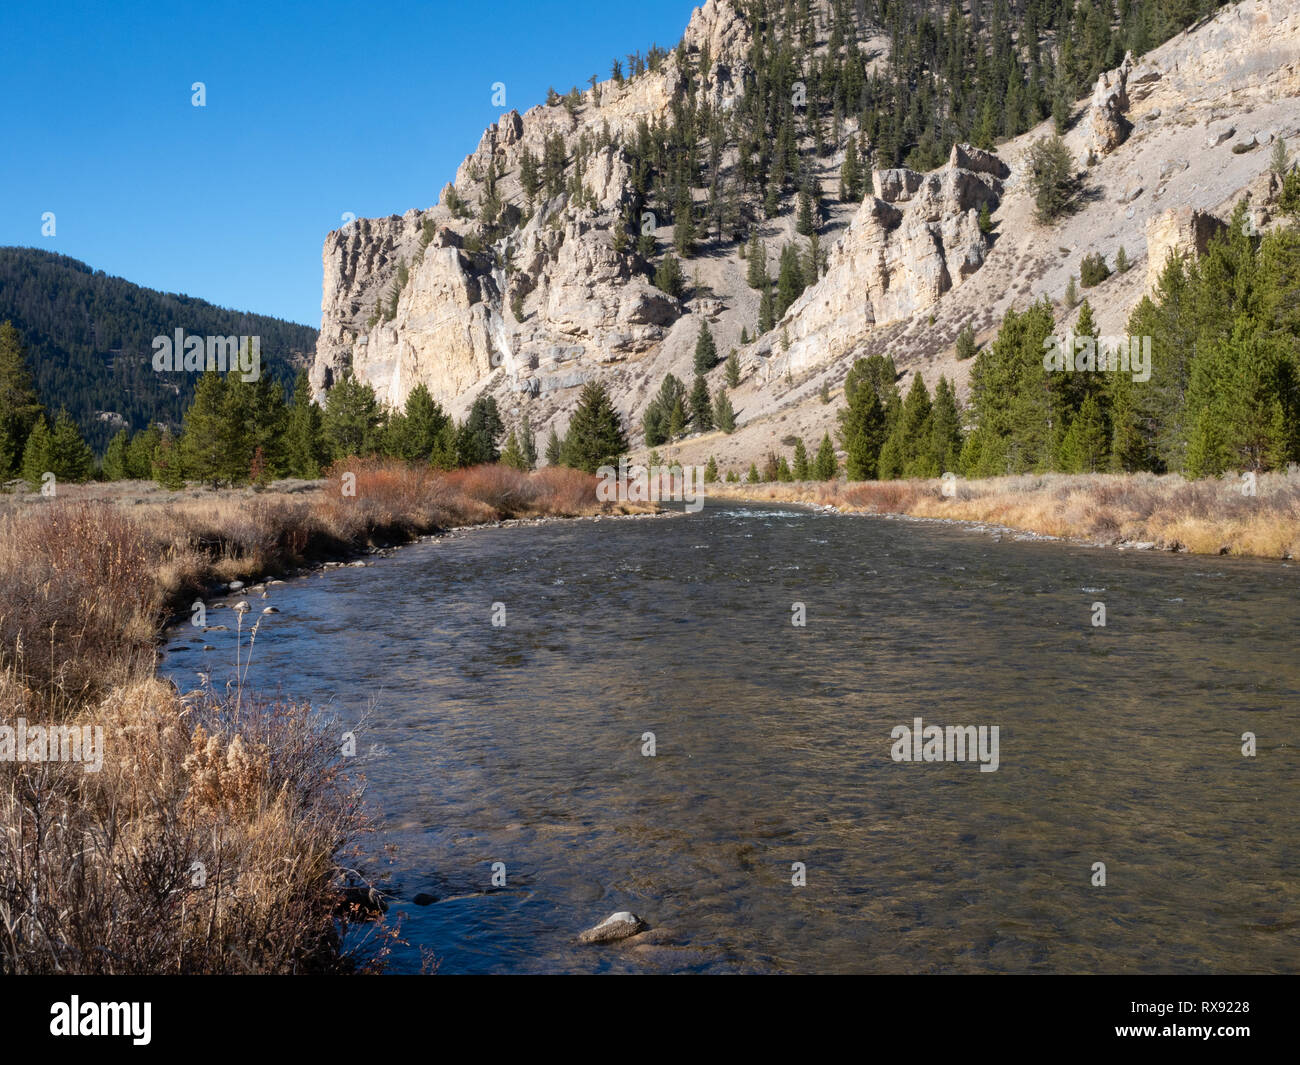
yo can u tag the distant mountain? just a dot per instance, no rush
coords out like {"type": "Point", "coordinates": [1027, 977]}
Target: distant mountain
{"type": "Point", "coordinates": [90, 340]}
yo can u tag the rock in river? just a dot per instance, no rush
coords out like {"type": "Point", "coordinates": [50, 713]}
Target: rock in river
{"type": "Point", "coordinates": [614, 927]}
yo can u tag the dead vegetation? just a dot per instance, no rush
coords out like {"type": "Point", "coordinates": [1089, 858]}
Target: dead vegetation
{"type": "Point", "coordinates": [1208, 517]}
{"type": "Point", "coordinates": [221, 832]}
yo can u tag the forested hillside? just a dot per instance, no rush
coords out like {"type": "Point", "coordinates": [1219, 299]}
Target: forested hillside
{"type": "Point", "coordinates": [89, 341]}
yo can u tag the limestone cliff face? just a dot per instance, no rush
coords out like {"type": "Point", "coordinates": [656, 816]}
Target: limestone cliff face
{"type": "Point", "coordinates": [1166, 144]}
{"type": "Point", "coordinates": [915, 239]}
{"type": "Point", "coordinates": [543, 308]}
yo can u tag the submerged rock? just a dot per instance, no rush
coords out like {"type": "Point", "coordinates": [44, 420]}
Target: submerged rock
{"type": "Point", "coordinates": [614, 927]}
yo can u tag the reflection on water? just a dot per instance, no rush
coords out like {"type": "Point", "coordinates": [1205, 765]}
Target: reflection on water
{"type": "Point", "coordinates": [522, 744]}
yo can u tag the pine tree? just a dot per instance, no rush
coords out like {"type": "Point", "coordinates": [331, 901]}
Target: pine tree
{"type": "Point", "coordinates": [1084, 447]}
{"type": "Point", "coordinates": [756, 271]}
{"type": "Point", "coordinates": [1052, 179]}
{"type": "Point", "coordinates": [701, 405]}
{"type": "Point", "coordinates": [70, 459]}
{"type": "Point", "coordinates": [668, 276]}
{"type": "Point", "coordinates": [304, 445]}
{"type": "Point", "coordinates": [351, 419]}
{"type": "Point", "coordinates": [166, 465]}
{"type": "Point", "coordinates": [596, 437]}
{"type": "Point", "coordinates": [38, 455]}
{"type": "Point", "coordinates": [478, 437]}
{"type": "Point", "coordinates": [826, 465]}
{"type": "Point", "coordinates": [415, 434]}
{"type": "Point", "coordinates": [527, 443]}
{"type": "Point", "coordinates": [209, 440]}
{"type": "Point", "coordinates": [20, 409]}
{"type": "Point", "coordinates": [945, 429]}
{"type": "Point", "coordinates": [724, 415]}
{"type": "Point", "coordinates": [115, 464]}
{"type": "Point", "coordinates": [752, 477]}
{"type": "Point", "coordinates": [862, 434]}
{"type": "Point", "coordinates": [513, 455]}
{"type": "Point", "coordinates": [733, 369]}
{"type": "Point", "coordinates": [139, 453]}
{"type": "Point", "coordinates": [801, 470]}
{"type": "Point", "coordinates": [706, 353]}
{"type": "Point", "coordinates": [553, 453]}
{"type": "Point", "coordinates": [790, 281]}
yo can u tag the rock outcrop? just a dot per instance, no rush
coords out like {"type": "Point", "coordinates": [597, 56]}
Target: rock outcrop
{"type": "Point", "coordinates": [1182, 232]}
{"type": "Point", "coordinates": [1108, 126]}
{"type": "Point", "coordinates": [911, 242]}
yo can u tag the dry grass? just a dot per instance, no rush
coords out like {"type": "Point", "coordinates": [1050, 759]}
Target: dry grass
{"type": "Point", "coordinates": [1202, 517]}
{"type": "Point", "coordinates": [97, 869]}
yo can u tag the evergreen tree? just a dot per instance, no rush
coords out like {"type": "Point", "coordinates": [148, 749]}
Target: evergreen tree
{"type": "Point", "coordinates": [596, 437]}
{"type": "Point", "coordinates": [862, 433]}
{"type": "Point", "coordinates": [168, 469]}
{"type": "Point", "coordinates": [945, 429]}
{"type": "Point", "coordinates": [71, 460]}
{"type": "Point", "coordinates": [209, 445]}
{"type": "Point", "coordinates": [790, 282]}
{"type": "Point", "coordinates": [19, 407]}
{"type": "Point", "coordinates": [351, 419]}
{"type": "Point", "coordinates": [115, 464]}
{"type": "Point", "coordinates": [513, 455]}
{"type": "Point", "coordinates": [304, 444]}
{"type": "Point", "coordinates": [415, 434]}
{"type": "Point", "coordinates": [724, 415]}
{"type": "Point", "coordinates": [140, 452]}
{"type": "Point", "coordinates": [38, 455]}
{"type": "Point", "coordinates": [733, 369]}
{"type": "Point", "coordinates": [826, 465]}
{"type": "Point", "coordinates": [706, 353]}
{"type": "Point", "coordinates": [527, 443]}
{"type": "Point", "coordinates": [668, 276]}
{"type": "Point", "coordinates": [701, 405]}
{"type": "Point", "coordinates": [801, 470]}
{"type": "Point", "coordinates": [553, 453]}
{"type": "Point", "coordinates": [478, 437]}
{"type": "Point", "coordinates": [711, 471]}
{"type": "Point", "coordinates": [756, 272]}
{"type": "Point", "coordinates": [1052, 178]}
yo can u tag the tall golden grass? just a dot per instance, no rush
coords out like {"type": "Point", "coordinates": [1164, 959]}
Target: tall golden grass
{"type": "Point", "coordinates": [1201, 517]}
{"type": "Point", "coordinates": [222, 833]}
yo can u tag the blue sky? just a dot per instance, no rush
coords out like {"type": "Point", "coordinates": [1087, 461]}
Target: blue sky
{"type": "Point", "coordinates": [312, 109]}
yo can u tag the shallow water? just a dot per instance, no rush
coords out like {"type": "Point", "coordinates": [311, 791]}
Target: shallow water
{"type": "Point", "coordinates": [523, 744]}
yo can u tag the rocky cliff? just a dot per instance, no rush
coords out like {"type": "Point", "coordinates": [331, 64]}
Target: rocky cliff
{"type": "Point", "coordinates": [1162, 143]}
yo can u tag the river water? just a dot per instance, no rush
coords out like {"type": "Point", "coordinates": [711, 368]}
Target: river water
{"type": "Point", "coordinates": [525, 744]}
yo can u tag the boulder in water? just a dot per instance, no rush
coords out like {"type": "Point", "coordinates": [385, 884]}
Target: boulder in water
{"type": "Point", "coordinates": [614, 927]}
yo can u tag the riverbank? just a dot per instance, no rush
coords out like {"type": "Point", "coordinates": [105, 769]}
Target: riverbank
{"type": "Point", "coordinates": [1124, 510]}
{"type": "Point", "coordinates": [212, 833]}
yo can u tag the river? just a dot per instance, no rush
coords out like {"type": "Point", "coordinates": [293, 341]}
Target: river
{"type": "Point", "coordinates": [770, 829]}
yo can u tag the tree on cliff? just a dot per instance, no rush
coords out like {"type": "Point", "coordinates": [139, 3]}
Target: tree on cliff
{"type": "Point", "coordinates": [595, 437]}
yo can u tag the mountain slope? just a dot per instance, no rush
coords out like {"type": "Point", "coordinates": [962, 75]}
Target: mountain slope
{"type": "Point", "coordinates": [526, 287]}
{"type": "Point", "coordinates": [89, 338]}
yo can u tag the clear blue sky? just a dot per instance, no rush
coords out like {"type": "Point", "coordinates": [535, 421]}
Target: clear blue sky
{"type": "Point", "coordinates": [313, 109]}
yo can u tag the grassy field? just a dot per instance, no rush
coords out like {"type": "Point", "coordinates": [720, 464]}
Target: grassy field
{"type": "Point", "coordinates": [1201, 517]}
{"type": "Point", "coordinates": [221, 832]}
